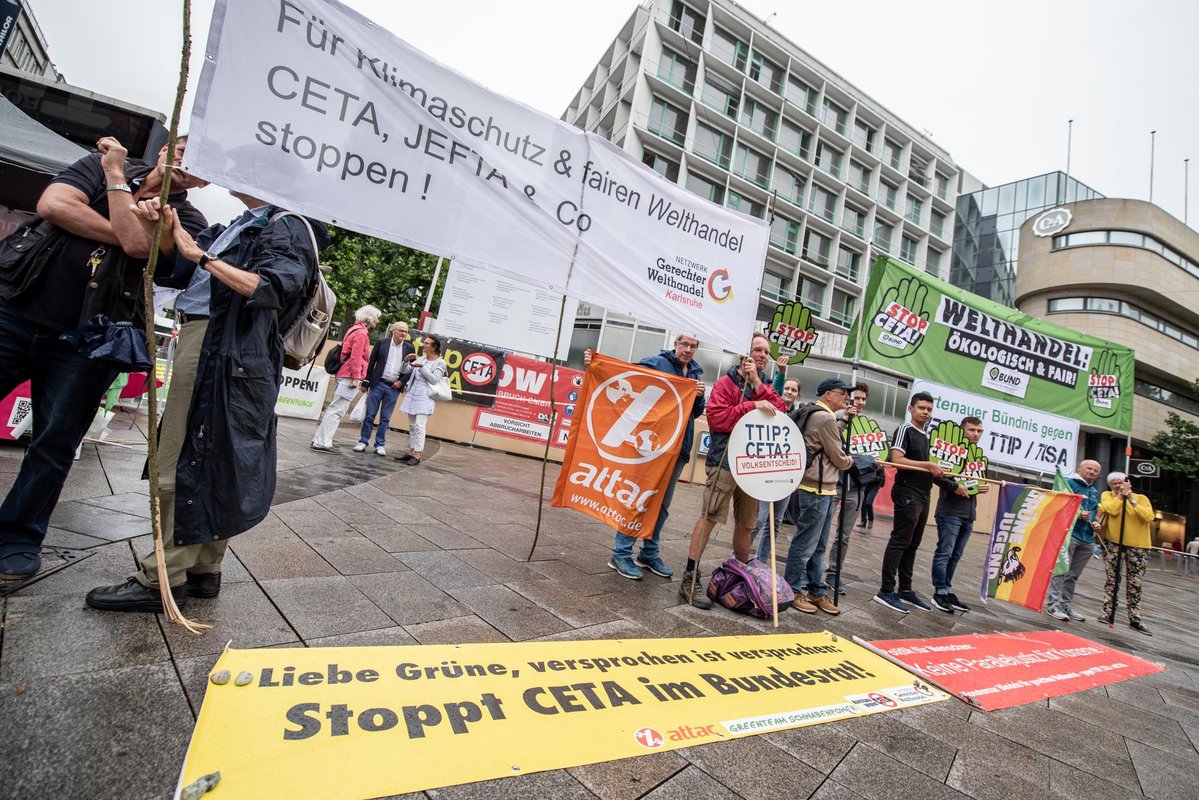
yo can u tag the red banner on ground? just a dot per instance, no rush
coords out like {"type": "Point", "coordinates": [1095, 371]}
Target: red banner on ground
{"type": "Point", "coordinates": [1001, 670]}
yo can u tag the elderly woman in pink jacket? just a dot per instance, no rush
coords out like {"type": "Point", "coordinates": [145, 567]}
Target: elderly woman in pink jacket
{"type": "Point", "coordinates": [355, 353]}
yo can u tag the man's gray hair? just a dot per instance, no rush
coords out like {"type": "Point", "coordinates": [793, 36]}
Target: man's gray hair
{"type": "Point", "coordinates": [396, 324]}
{"type": "Point", "coordinates": [367, 314]}
{"type": "Point", "coordinates": [1116, 476]}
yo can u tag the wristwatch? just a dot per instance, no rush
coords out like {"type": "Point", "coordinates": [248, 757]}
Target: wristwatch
{"type": "Point", "coordinates": [205, 258]}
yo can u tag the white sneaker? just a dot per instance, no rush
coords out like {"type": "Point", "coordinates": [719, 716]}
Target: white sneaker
{"type": "Point", "coordinates": [379, 451]}
{"type": "Point", "coordinates": [360, 447]}
{"type": "Point", "coordinates": [1057, 613]}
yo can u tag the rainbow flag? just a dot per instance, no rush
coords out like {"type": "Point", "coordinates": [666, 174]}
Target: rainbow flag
{"type": "Point", "coordinates": [1063, 555]}
{"type": "Point", "coordinates": [1030, 526]}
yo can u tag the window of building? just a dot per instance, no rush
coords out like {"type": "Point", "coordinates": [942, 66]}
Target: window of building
{"type": "Point", "coordinates": [729, 49]}
{"type": "Point", "coordinates": [932, 261]}
{"type": "Point", "coordinates": [848, 263]}
{"type": "Point", "coordinates": [834, 116]}
{"type": "Point", "coordinates": [828, 158]}
{"type": "Point", "coordinates": [667, 121]}
{"type": "Point", "coordinates": [759, 118]}
{"type": "Point", "coordinates": [751, 165]}
{"type": "Point", "coordinates": [801, 94]}
{"type": "Point", "coordinates": [713, 145]}
{"type": "Point", "coordinates": [822, 203]}
{"type": "Point", "coordinates": [907, 249]}
{"type": "Point", "coordinates": [1126, 238]}
{"type": "Point", "coordinates": [813, 296]}
{"type": "Point", "coordinates": [942, 186]}
{"type": "Point", "coordinates": [842, 309]}
{"type": "Point", "coordinates": [687, 21]}
{"type": "Point", "coordinates": [863, 135]}
{"type": "Point", "coordinates": [1108, 305]}
{"type": "Point", "coordinates": [887, 194]}
{"type": "Point", "coordinates": [854, 220]}
{"type": "Point", "coordinates": [720, 95]}
{"type": "Point", "coordinates": [882, 236]}
{"type": "Point", "coordinates": [795, 139]}
{"type": "Point", "coordinates": [892, 154]}
{"type": "Point", "coordinates": [1163, 395]}
{"type": "Point", "coordinates": [773, 287]}
{"type": "Point", "coordinates": [677, 70]}
{"type": "Point", "coordinates": [816, 248]}
{"type": "Point", "coordinates": [745, 205]}
{"type": "Point", "coordinates": [661, 165]}
{"type": "Point", "coordinates": [915, 208]}
{"type": "Point", "coordinates": [936, 223]}
{"type": "Point", "coordinates": [784, 234]}
{"type": "Point", "coordinates": [859, 176]}
{"type": "Point", "coordinates": [698, 184]}
{"type": "Point", "coordinates": [788, 185]}
{"type": "Point", "coordinates": [766, 72]}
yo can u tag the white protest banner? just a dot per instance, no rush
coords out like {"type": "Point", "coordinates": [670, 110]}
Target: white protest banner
{"type": "Point", "coordinates": [767, 455]}
{"type": "Point", "coordinates": [1015, 436]}
{"type": "Point", "coordinates": [310, 105]}
{"type": "Point", "coordinates": [302, 393]}
{"type": "Point", "coordinates": [481, 306]}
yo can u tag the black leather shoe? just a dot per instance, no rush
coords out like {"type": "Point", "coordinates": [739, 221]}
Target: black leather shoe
{"type": "Point", "coordinates": [1139, 626]}
{"type": "Point", "coordinates": [404, 459]}
{"type": "Point", "coordinates": [132, 596]}
{"type": "Point", "coordinates": [207, 584]}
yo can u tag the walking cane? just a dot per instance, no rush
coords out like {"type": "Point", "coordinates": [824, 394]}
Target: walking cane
{"type": "Point", "coordinates": [1111, 618]}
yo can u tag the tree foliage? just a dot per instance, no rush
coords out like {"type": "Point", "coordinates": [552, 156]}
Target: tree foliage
{"type": "Point", "coordinates": [1178, 445]}
{"type": "Point", "coordinates": [389, 276]}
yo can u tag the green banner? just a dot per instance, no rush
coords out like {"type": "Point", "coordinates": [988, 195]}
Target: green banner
{"type": "Point", "coordinates": [926, 328]}
{"type": "Point", "coordinates": [791, 332]}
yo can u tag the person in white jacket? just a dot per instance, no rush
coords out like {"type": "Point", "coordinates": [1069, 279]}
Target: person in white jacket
{"type": "Point", "coordinates": [417, 404]}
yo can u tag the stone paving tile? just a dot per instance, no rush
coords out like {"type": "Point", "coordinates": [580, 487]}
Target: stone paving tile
{"type": "Point", "coordinates": [136, 504]}
{"type": "Point", "coordinates": [57, 537]}
{"type": "Point", "coordinates": [514, 615]}
{"type": "Point", "coordinates": [1164, 775]}
{"type": "Point", "coordinates": [620, 629]}
{"type": "Point", "coordinates": [538, 786]}
{"type": "Point", "coordinates": [384, 637]}
{"type": "Point", "coordinates": [1069, 783]}
{"type": "Point", "coordinates": [1128, 721]}
{"type": "Point", "coordinates": [582, 583]}
{"type": "Point", "coordinates": [890, 736]}
{"type": "Point", "coordinates": [355, 554]}
{"type": "Point", "coordinates": [629, 778]}
{"type": "Point", "coordinates": [821, 747]}
{"type": "Point", "coordinates": [408, 598]}
{"type": "Point", "coordinates": [57, 635]}
{"type": "Point", "coordinates": [459, 630]}
{"type": "Point", "coordinates": [444, 570]}
{"type": "Point", "coordinates": [500, 567]}
{"type": "Point", "coordinates": [877, 776]}
{"type": "Point", "coordinates": [107, 564]}
{"type": "Point", "coordinates": [241, 614]}
{"type": "Point", "coordinates": [102, 523]}
{"type": "Point", "coordinates": [275, 557]}
{"type": "Point", "coordinates": [109, 733]}
{"type": "Point", "coordinates": [444, 536]}
{"type": "Point", "coordinates": [193, 674]}
{"type": "Point", "coordinates": [831, 790]}
{"type": "Point", "coordinates": [394, 537]}
{"type": "Point", "coordinates": [578, 612]}
{"type": "Point", "coordinates": [743, 764]}
{"type": "Point", "coordinates": [319, 607]}
{"type": "Point", "coordinates": [690, 784]}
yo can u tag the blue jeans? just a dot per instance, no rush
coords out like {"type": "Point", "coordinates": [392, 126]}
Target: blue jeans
{"type": "Point", "coordinates": [380, 399]}
{"type": "Point", "coordinates": [623, 547]}
{"type": "Point", "coordinates": [762, 526]}
{"type": "Point", "coordinates": [804, 572]}
{"type": "Point", "coordinates": [66, 391]}
{"type": "Point", "coordinates": [952, 535]}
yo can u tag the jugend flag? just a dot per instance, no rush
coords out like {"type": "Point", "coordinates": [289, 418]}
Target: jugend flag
{"type": "Point", "coordinates": [1063, 555]}
{"type": "Point", "coordinates": [1030, 525]}
{"type": "Point", "coordinates": [628, 432]}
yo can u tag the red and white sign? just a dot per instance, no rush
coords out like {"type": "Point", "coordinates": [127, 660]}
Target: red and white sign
{"type": "Point", "coordinates": [522, 402]}
{"type": "Point", "coordinates": [998, 670]}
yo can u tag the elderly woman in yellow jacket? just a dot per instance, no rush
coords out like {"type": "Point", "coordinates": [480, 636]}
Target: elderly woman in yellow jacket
{"type": "Point", "coordinates": [1131, 512]}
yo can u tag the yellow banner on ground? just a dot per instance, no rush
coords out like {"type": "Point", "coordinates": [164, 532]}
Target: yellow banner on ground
{"type": "Point", "coordinates": [362, 722]}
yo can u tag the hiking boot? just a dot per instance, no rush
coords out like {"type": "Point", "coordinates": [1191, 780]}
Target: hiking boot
{"type": "Point", "coordinates": [624, 567]}
{"type": "Point", "coordinates": [654, 565]}
{"type": "Point", "coordinates": [802, 603]}
{"type": "Point", "coordinates": [941, 601]}
{"type": "Point", "coordinates": [911, 598]}
{"type": "Point", "coordinates": [1057, 613]}
{"type": "Point", "coordinates": [700, 599]}
{"type": "Point", "coordinates": [957, 604]}
{"type": "Point", "coordinates": [1139, 627]}
{"type": "Point", "coordinates": [1074, 615]}
{"type": "Point", "coordinates": [824, 604]}
{"type": "Point", "coordinates": [891, 600]}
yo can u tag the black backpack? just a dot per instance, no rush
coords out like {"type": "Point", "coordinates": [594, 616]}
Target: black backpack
{"type": "Point", "coordinates": [333, 360]}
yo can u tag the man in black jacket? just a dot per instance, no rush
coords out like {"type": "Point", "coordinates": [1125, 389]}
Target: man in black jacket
{"type": "Point", "coordinates": [95, 268]}
{"type": "Point", "coordinates": [383, 385]}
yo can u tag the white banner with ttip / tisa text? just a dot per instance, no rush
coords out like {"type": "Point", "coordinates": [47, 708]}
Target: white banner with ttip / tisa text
{"type": "Point", "coordinates": [308, 104]}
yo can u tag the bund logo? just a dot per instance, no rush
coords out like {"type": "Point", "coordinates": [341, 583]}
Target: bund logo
{"type": "Point", "coordinates": [628, 411]}
{"type": "Point", "coordinates": [720, 285]}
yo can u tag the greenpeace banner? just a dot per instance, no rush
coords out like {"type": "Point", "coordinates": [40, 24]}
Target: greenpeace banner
{"type": "Point", "coordinates": [922, 326]}
{"type": "Point", "coordinates": [302, 393]}
{"type": "Point", "coordinates": [308, 104]}
{"type": "Point", "coordinates": [1000, 670]}
{"type": "Point", "coordinates": [1030, 524]}
{"type": "Point", "coordinates": [360, 722]}
{"type": "Point", "coordinates": [1013, 435]}
{"type": "Point", "coordinates": [629, 428]}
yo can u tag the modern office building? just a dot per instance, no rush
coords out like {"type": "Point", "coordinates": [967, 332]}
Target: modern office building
{"type": "Point", "coordinates": [986, 230]}
{"type": "Point", "coordinates": [23, 43]}
{"type": "Point", "coordinates": [1125, 271]}
{"type": "Point", "coordinates": [711, 97]}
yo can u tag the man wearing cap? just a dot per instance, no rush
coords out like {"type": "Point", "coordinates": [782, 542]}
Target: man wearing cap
{"type": "Point", "coordinates": [826, 459]}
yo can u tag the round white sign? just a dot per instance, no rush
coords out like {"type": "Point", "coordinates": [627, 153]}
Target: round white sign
{"type": "Point", "coordinates": [767, 455]}
{"type": "Point", "coordinates": [1053, 221]}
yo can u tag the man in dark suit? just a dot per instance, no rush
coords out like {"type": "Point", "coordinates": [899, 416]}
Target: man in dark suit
{"type": "Point", "coordinates": [383, 385]}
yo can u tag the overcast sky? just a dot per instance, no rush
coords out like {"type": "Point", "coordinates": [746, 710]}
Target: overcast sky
{"type": "Point", "coordinates": [993, 83]}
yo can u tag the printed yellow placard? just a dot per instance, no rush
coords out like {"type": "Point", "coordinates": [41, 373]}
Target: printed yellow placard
{"type": "Point", "coordinates": [362, 722]}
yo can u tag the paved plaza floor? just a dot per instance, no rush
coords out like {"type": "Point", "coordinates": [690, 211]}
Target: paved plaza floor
{"type": "Point", "coordinates": [360, 550]}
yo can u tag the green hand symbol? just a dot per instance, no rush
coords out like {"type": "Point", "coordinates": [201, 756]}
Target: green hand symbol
{"type": "Point", "coordinates": [948, 446]}
{"type": "Point", "coordinates": [866, 438]}
{"type": "Point", "coordinates": [901, 321]}
{"type": "Point", "coordinates": [978, 460]}
{"type": "Point", "coordinates": [1103, 393]}
{"type": "Point", "coordinates": [791, 332]}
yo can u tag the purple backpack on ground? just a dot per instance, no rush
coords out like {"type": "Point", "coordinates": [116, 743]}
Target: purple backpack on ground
{"type": "Point", "coordinates": [746, 588]}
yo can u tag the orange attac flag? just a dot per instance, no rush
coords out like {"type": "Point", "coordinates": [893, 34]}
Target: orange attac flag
{"type": "Point", "coordinates": [626, 435]}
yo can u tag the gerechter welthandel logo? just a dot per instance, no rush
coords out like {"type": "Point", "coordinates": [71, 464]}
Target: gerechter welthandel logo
{"type": "Point", "coordinates": [618, 412]}
{"type": "Point", "coordinates": [720, 285]}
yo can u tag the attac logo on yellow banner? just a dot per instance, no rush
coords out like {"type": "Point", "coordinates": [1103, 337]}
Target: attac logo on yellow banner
{"type": "Point", "coordinates": [621, 454]}
{"type": "Point", "coordinates": [364, 722]}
